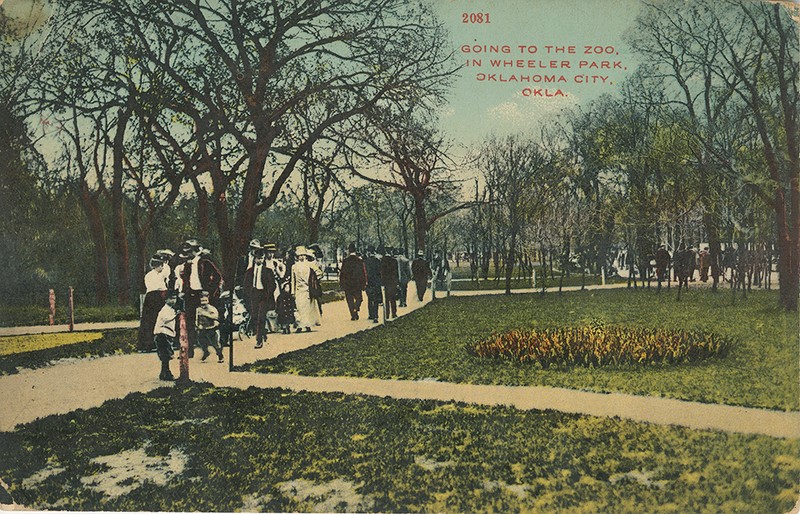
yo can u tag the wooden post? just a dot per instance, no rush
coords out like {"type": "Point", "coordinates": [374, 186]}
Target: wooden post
{"type": "Point", "coordinates": [533, 279]}
{"type": "Point", "coordinates": [385, 306]}
{"type": "Point", "coordinates": [603, 275]}
{"type": "Point", "coordinates": [52, 307]}
{"type": "Point", "coordinates": [71, 310]}
{"type": "Point", "coordinates": [184, 352]}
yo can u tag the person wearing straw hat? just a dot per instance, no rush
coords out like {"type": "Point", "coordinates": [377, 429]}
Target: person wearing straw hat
{"type": "Point", "coordinates": [303, 286]}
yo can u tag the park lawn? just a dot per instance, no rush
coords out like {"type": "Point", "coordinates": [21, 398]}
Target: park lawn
{"type": "Point", "coordinates": [551, 283]}
{"type": "Point", "coordinates": [760, 370]}
{"type": "Point", "coordinates": [218, 449]}
{"type": "Point", "coordinates": [36, 351]}
{"type": "Point", "coordinates": [33, 342]}
{"type": "Point", "coordinates": [33, 315]}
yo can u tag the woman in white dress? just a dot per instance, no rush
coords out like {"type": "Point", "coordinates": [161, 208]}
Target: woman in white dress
{"type": "Point", "coordinates": [307, 309]}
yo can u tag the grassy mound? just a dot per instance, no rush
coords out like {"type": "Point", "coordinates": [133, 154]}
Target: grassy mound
{"type": "Point", "coordinates": [601, 345]}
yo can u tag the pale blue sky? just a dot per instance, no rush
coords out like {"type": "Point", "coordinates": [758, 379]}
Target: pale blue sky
{"type": "Point", "coordinates": [479, 108]}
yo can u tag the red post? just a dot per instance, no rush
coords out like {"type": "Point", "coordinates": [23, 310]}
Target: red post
{"type": "Point", "coordinates": [52, 307]}
{"type": "Point", "coordinates": [71, 310]}
{"type": "Point", "coordinates": [184, 353]}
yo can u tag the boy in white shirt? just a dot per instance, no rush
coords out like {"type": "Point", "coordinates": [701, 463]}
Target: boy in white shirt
{"type": "Point", "coordinates": [164, 332]}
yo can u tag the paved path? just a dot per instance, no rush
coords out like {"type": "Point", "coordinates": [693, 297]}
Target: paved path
{"type": "Point", "coordinates": [85, 383]}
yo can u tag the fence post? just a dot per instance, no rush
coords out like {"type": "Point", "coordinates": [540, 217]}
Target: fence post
{"type": "Point", "coordinates": [71, 310]}
{"type": "Point", "coordinates": [184, 352]}
{"type": "Point", "coordinates": [52, 307]}
{"type": "Point", "coordinates": [533, 279]}
{"type": "Point", "coordinates": [385, 305]}
{"type": "Point", "coordinates": [603, 275]}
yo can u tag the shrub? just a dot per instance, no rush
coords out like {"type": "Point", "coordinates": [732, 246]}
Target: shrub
{"type": "Point", "coordinates": [600, 345]}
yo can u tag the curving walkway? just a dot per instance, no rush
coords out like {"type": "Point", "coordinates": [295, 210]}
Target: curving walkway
{"type": "Point", "coordinates": [85, 383]}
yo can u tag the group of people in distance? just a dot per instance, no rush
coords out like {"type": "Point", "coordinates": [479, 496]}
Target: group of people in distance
{"type": "Point", "coordinates": [384, 274]}
{"type": "Point", "coordinates": [280, 293]}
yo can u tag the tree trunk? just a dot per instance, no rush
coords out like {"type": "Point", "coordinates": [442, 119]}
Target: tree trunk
{"type": "Point", "coordinates": [120, 233]}
{"type": "Point", "coordinates": [91, 207]}
{"type": "Point", "coordinates": [420, 222]}
{"type": "Point", "coordinates": [509, 260]}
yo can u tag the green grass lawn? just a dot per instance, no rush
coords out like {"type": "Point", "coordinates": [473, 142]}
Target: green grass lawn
{"type": "Point", "coordinates": [216, 449]}
{"type": "Point", "coordinates": [36, 351]}
{"type": "Point", "coordinates": [32, 315]}
{"type": "Point", "coordinates": [761, 369]}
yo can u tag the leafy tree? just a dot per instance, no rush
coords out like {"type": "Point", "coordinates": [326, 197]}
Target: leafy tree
{"type": "Point", "coordinates": [241, 70]}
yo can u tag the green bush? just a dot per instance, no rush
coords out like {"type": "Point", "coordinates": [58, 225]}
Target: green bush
{"type": "Point", "coordinates": [32, 315]}
{"type": "Point", "coordinates": [601, 345]}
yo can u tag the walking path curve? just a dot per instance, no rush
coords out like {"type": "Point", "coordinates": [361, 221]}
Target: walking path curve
{"type": "Point", "coordinates": [85, 383]}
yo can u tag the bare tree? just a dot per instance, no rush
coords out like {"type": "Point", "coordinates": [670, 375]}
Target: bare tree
{"type": "Point", "coordinates": [523, 179]}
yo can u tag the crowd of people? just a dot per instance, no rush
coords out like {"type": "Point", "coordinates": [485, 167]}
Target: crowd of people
{"type": "Point", "coordinates": [280, 293]}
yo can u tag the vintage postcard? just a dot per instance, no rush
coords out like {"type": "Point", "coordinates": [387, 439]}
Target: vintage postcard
{"type": "Point", "coordinates": [400, 256]}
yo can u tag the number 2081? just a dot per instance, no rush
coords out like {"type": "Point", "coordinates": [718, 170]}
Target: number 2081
{"type": "Point", "coordinates": [475, 17]}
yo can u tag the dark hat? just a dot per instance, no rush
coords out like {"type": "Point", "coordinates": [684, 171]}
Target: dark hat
{"type": "Point", "coordinates": [156, 260]}
{"type": "Point", "coordinates": [370, 249]}
{"type": "Point", "coordinates": [351, 248]}
{"type": "Point", "coordinates": [381, 249]}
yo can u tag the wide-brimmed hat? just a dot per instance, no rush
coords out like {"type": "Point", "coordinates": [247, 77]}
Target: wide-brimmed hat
{"type": "Point", "coordinates": [255, 243]}
{"type": "Point", "coordinates": [270, 247]}
{"type": "Point", "coordinates": [302, 250]}
{"type": "Point", "coordinates": [420, 253]}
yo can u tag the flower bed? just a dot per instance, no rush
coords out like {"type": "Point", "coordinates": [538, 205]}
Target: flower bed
{"type": "Point", "coordinates": [600, 345]}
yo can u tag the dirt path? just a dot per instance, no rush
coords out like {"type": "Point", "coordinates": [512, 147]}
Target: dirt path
{"type": "Point", "coordinates": [85, 383]}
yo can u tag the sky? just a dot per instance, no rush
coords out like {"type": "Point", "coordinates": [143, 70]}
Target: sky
{"type": "Point", "coordinates": [482, 104]}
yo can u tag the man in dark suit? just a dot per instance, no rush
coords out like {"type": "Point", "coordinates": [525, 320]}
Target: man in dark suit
{"type": "Point", "coordinates": [373, 268]}
{"type": "Point", "coordinates": [421, 272]}
{"type": "Point", "coordinates": [199, 273]}
{"type": "Point", "coordinates": [390, 279]}
{"type": "Point", "coordinates": [261, 284]}
{"type": "Point", "coordinates": [353, 280]}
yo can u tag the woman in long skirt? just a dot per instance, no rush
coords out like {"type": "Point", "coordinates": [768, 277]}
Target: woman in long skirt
{"type": "Point", "coordinates": [307, 309]}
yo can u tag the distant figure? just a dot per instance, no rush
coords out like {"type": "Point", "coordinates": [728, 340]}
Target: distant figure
{"type": "Point", "coordinates": [421, 272]}
{"type": "Point", "coordinates": [164, 332]}
{"type": "Point", "coordinates": [207, 324]}
{"type": "Point", "coordinates": [441, 274]}
{"type": "Point", "coordinates": [390, 280]}
{"type": "Point", "coordinates": [663, 259]}
{"type": "Point", "coordinates": [705, 264]}
{"type": "Point", "coordinates": [683, 265]}
{"type": "Point", "coordinates": [374, 285]}
{"type": "Point", "coordinates": [353, 280]}
{"type": "Point", "coordinates": [404, 275]}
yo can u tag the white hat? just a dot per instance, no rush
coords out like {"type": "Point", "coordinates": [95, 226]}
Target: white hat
{"type": "Point", "coordinates": [302, 250]}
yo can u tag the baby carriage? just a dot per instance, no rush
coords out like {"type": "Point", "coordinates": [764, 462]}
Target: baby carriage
{"type": "Point", "coordinates": [236, 319]}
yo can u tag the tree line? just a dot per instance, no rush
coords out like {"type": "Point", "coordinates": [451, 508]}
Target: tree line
{"type": "Point", "coordinates": [132, 122]}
